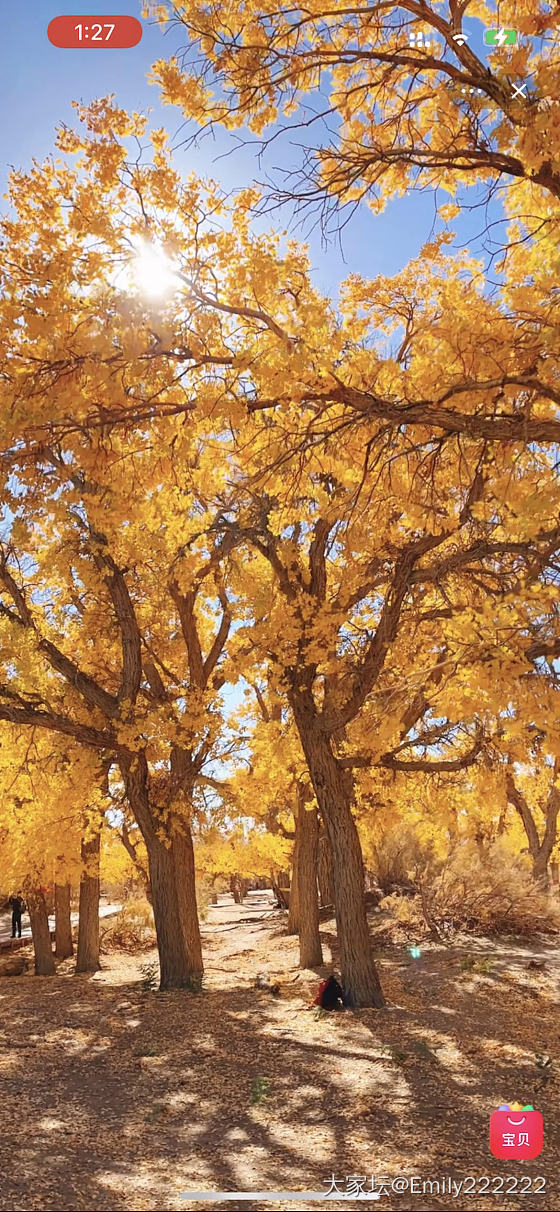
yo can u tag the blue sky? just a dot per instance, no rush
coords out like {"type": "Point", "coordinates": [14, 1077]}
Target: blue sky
{"type": "Point", "coordinates": [38, 83]}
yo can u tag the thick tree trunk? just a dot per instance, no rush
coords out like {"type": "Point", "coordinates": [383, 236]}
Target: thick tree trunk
{"type": "Point", "coordinates": [333, 788]}
{"type": "Point", "coordinates": [62, 922]}
{"type": "Point", "coordinates": [88, 923]}
{"type": "Point", "coordinates": [358, 971]}
{"type": "Point", "coordinates": [294, 910]}
{"type": "Point", "coordinates": [325, 870]}
{"type": "Point", "coordinates": [310, 951]}
{"type": "Point", "coordinates": [40, 932]}
{"type": "Point", "coordinates": [172, 880]}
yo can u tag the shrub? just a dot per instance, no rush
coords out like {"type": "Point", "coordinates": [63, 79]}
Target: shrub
{"type": "Point", "coordinates": [13, 965]}
{"type": "Point", "coordinates": [150, 976]}
{"type": "Point", "coordinates": [490, 892]}
{"type": "Point", "coordinates": [132, 929]}
{"type": "Point", "coordinates": [396, 856]}
{"type": "Point", "coordinates": [204, 890]}
{"type": "Point", "coordinates": [260, 1089]}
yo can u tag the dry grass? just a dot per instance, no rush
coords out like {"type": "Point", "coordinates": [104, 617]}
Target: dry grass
{"type": "Point", "coordinates": [485, 893]}
{"type": "Point", "coordinates": [132, 929]}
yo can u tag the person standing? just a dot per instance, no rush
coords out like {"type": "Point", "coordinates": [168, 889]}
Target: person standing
{"type": "Point", "coordinates": [17, 904]}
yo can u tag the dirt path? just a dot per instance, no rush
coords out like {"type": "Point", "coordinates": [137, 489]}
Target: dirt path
{"type": "Point", "coordinates": [125, 1097]}
{"type": "Point", "coordinates": [7, 943]}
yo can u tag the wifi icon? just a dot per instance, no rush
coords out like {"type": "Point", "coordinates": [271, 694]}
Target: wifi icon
{"type": "Point", "coordinates": [460, 39]}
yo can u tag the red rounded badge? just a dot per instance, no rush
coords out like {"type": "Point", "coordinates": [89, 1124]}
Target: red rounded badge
{"type": "Point", "coordinates": [84, 31]}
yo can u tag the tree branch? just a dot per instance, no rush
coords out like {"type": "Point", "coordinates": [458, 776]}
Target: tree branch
{"type": "Point", "coordinates": [431, 767]}
{"type": "Point", "coordinates": [185, 608]}
{"type": "Point", "coordinates": [52, 721]}
{"type": "Point", "coordinates": [93, 694]}
{"type": "Point", "coordinates": [131, 643]}
{"type": "Point", "coordinates": [219, 639]}
{"type": "Point", "coordinates": [517, 799]}
{"type": "Point", "coordinates": [365, 677]}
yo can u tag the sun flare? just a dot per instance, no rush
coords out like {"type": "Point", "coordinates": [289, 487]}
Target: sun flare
{"type": "Point", "coordinates": [154, 274]}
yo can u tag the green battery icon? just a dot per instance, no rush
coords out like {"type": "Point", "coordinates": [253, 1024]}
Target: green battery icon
{"type": "Point", "coordinates": [500, 37]}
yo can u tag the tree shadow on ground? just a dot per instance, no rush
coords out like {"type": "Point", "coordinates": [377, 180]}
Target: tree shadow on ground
{"type": "Point", "coordinates": [128, 1097]}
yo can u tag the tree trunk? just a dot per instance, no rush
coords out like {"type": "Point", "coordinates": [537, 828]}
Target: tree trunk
{"type": "Point", "coordinates": [88, 923]}
{"type": "Point", "coordinates": [62, 922]}
{"type": "Point", "coordinates": [284, 885]}
{"type": "Point", "coordinates": [294, 910]}
{"type": "Point", "coordinates": [540, 851]}
{"type": "Point", "coordinates": [325, 871]}
{"type": "Point", "coordinates": [172, 880]}
{"type": "Point", "coordinates": [310, 951]}
{"type": "Point", "coordinates": [358, 971]}
{"type": "Point", "coordinates": [278, 891]}
{"type": "Point", "coordinates": [480, 842]}
{"type": "Point", "coordinates": [334, 791]}
{"type": "Point", "coordinates": [236, 889]}
{"type": "Point", "coordinates": [501, 826]}
{"type": "Point", "coordinates": [540, 871]}
{"type": "Point", "coordinates": [40, 932]}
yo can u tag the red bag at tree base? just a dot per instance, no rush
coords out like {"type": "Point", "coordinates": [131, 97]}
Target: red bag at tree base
{"type": "Point", "coordinates": [329, 995]}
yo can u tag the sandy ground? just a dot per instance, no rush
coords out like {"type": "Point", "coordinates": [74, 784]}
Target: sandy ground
{"type": "Point", "coordinates": [105, 910]}
{"type": "Point", "coordinates": [115, 1096]}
